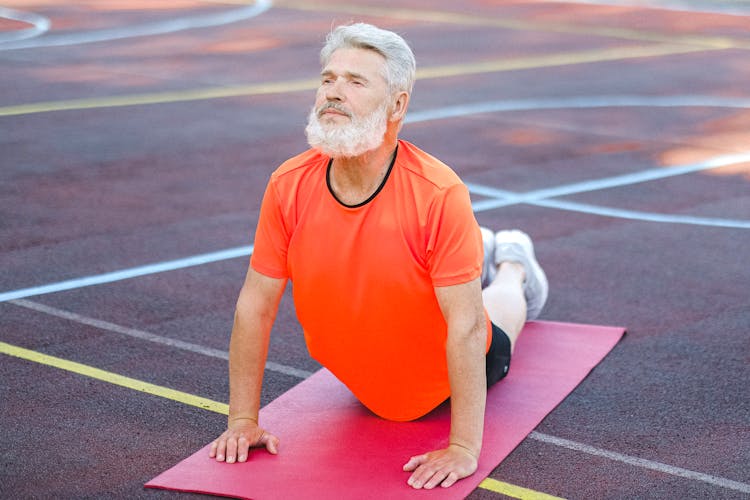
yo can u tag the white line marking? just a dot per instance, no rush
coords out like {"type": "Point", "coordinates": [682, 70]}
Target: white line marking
{"type": "Point", "coordinates": [640, 462]}
{"type": "Point", "coordinates": [40, 24]}
{"type": "Point", "coordinates": [541, 197]}
{"type": "Point", "coordinates": [707, 7]}
{"type": "Point", "coordinates": [123, 274]}
{"type": "Point", "coordinates": [642, 216]}
{"type": "Point", "coordinates": [583, 102]}
{"type": "Point", "coordinates": [150, 337]}
{"type": "Point", "coordinates": [149, 29]}
{"type": "Point", "coordinates": [635, 177]}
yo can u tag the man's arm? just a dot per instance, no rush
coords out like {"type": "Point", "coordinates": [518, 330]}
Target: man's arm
{"type": "Point", "coordinates": [466, 345]}
{"type": "Point", "coordinates": [254, 316]}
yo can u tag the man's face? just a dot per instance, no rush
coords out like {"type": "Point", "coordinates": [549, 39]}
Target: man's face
{"type": "Point", "coordinates": [350, 115]}
{"type": "Point", "coordinates": [354, 79]}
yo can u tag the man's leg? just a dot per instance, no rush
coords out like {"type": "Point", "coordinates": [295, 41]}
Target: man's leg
{"type": "Point", "coordinates": [516, 287]}
{"type": "Point", "coordinates": [504, 299]}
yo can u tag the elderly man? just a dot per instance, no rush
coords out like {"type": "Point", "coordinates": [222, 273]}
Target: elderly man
{"type": "Point", "coordinates": [388, 265]}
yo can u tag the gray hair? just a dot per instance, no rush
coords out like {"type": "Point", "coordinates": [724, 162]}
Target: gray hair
{"type": "Point", "coordinates": [400, 63]}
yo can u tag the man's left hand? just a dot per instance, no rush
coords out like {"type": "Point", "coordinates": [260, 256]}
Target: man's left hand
{"type": "Point", "coordinates": [441, 467]}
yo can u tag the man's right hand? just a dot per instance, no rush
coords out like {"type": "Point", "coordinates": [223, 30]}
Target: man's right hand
{"type": "Point", "coordinates": [242, 434]}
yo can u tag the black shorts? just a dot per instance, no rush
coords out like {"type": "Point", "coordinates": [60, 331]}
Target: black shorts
{"type": "Point", "coordinates": [498, 357]}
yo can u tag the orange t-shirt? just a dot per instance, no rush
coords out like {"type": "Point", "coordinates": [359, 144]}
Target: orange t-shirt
{"type": "Point", "coordinates": [363, 277]}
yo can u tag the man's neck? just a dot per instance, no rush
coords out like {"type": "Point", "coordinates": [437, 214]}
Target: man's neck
{"type": "Point", "coordinates": [353, 180]}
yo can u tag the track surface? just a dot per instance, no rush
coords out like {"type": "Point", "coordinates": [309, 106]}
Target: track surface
{"type": "Point", "coordinates": [129, 139]}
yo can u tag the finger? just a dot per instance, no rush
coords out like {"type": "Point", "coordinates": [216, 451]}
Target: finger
{"type": "Point", "coordinates": [450, 480]}
{"type": "Point", "coordinates": [271, 443]}
{"type": "Point", "coordinates": [212, 450]}
{"type": "Point", "coordinates": [242, 447]}
{"type": "Point", "coordinates": [221, 449]}
{"type": "Point", "coordinates": [231, 450]}
{"type": "Point", "coordinates": [436, 479]}
{"type": "Point", "coordinates": [420, 476]}
{"type": "Point", "coordinates": [416, 481]}
{"type": "Point", "coordinates": [415, 462]}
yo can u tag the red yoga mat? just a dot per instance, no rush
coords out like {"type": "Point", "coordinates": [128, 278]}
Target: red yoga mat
{"type": "Point", "coordinates": [333, 447]}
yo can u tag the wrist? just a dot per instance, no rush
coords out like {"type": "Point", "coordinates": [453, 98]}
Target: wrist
{"type": "Point", "coordinates": [467, 449]}
{"type": "Point", "coordinates": [242, 417]}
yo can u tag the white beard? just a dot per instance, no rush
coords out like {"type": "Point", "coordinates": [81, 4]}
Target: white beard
{"type": "Point", "coordinates": [347, 140]}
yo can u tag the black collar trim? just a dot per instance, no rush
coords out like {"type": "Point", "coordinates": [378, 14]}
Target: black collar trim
{"type": "Point", "coordinates": [373, 195]}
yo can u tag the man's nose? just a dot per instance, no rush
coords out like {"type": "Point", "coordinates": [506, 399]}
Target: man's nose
{"type": "Point", "coordinates": [333, 91]}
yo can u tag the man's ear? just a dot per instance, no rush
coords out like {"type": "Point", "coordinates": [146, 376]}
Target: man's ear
{"type": "Point", "coordinates": [400, 104]}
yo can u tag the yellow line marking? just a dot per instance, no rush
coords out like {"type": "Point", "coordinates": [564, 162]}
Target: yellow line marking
{"type": "Point", "coordinates": [113, 378]}
{"type": "Point", "coordinates": [706, 41]}
{"type": "Point", "coordinates": [443, 71]}
{"type": "Point", "coordinates": [203, 403]}
{"type": "Point", "coordinates": [552, 60]}
{"type": "Point", "coordinates": [514, 491]}
{"type": "Point", "coordinates": [160, 97]}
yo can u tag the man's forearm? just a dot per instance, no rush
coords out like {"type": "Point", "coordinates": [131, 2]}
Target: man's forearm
{"type": "Point", "coordinates": [248, 349]}
{"type": "Point", "coordinates": [466, 371]}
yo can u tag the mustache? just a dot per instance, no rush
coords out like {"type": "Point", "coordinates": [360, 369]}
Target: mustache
{"type": "Point", "coordinates": [334, 106]}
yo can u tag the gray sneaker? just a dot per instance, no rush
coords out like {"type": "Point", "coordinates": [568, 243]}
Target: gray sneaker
{"type": "Point", "coordinates": [489, 269]}
{"type": "Point", "coordinates": [516, 246]}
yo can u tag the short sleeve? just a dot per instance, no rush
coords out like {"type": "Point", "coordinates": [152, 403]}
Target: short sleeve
{"type": "Point", "coordinates": [271, 237]}
{"type": "Point", "coordinates": [454, 248]}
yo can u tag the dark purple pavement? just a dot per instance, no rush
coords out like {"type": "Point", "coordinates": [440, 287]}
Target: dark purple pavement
{"type": "Point", "coordinates": [561, 94]}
